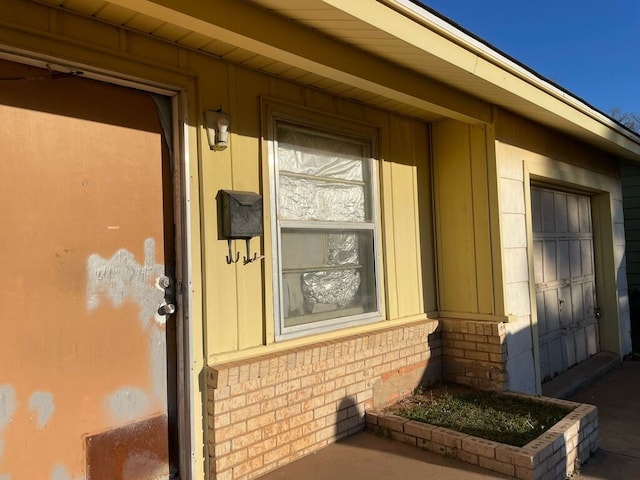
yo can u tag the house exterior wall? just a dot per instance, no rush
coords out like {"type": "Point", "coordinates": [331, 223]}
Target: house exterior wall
{"type": "Point", "coordinates": [269, 410]}
{"type": "Point", "coordinates": [481, 235]}
{"type": "Point", "coordinates": [482, 176]}
{"type": "Point", "coordinates": [631, 192]}
{"type": "Point", "coordinates": [528, 152]}
{"type": "Point", "coordinates": [230, 306]}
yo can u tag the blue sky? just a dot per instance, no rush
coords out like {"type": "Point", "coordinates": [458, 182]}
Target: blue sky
{"type": "Point", "coordinates": [589, 47]}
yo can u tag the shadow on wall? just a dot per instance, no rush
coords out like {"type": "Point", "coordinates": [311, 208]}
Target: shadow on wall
{"type": "Point", "coordinates": [349, 419]}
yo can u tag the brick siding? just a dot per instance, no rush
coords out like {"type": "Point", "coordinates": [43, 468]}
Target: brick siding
{"type": "Point", "coordinates": [270, 410]}
{"type": "Point", "coordinates": [475, 353]}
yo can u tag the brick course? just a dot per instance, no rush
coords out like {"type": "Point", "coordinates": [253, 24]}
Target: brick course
{"type": "Point", "coordinates": [267, 411]}
{"type": "Point", "coordinates": [555, 455]}
{"type": "Point", "coordinates": [475, 353]}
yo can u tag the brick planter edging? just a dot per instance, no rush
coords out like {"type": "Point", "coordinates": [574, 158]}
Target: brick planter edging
{"type": "Point", "coordinates": [554, 455]}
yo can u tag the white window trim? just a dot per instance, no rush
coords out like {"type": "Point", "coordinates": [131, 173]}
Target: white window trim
{"type": "Point", "coordinates": [343, 128]}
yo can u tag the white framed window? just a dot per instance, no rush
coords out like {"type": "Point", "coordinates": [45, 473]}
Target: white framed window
{"type": "Point", "coordinates": [325, 236]}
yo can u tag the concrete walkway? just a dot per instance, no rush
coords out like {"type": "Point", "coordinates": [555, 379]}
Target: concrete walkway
{"type": "Point", "coordinates": [617, 396]}
{"type": "Point", "coordinates": [367, 456]}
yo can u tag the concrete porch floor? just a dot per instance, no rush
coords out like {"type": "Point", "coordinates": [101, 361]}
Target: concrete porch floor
{"type": "Point", "coordinates": [616, 393]}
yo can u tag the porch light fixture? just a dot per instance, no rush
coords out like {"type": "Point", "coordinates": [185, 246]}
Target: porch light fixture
{"type": "Point", "coordinates": [217, 125]}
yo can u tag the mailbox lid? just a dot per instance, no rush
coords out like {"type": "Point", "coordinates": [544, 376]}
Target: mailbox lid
{"type": "Point", "coordinates": [241, 214]}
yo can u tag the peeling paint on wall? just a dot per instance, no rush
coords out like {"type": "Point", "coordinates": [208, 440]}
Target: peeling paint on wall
{"type": "Point", "coordinates": [7, 405]}
{"type": "Point", "coordinates": [128, 403]}
{"type": "Point", "coordinates": [158, 353]}
{"type": "Point", "coordinates": [7, 408]}
{"type": "Point", "coordinates": [41, 403]}
{"type": "Point", "coordinates": [121, 278]}
{"type": "Point", "coordinates": [60, 472]}
{"type": "Point", "coordinates": [144, 463]}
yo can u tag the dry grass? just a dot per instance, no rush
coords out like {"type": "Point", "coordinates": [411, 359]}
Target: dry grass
{"type": "Point", "coordinates": [501, 418]}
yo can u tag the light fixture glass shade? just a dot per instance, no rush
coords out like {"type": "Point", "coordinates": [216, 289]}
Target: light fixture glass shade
{"type": "Point", "coordinates": [217, 126]}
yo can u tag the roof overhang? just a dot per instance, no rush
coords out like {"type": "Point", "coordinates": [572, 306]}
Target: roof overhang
{"type": "Point", "coordinates": [394, 54]}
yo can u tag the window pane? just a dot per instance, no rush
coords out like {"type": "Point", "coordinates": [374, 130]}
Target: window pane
{"type": "Point", "coordinates": [311, 199]}
{"type": "Point", "coordinates": [327, 274]}
{"type": "Point", "coordinates": [305, 152]}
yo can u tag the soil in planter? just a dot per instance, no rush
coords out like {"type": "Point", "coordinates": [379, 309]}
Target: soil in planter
{"type": "Point", "coordinates": [492, 416]}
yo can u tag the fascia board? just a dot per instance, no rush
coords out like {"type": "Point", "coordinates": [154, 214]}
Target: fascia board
{"type": "Point", "coordinates": [428, 32]}
{"type": "Point", "coordinates": [245, 26]}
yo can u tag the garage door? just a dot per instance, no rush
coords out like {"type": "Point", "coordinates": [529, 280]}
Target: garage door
{"type": "Point", "coordinates": [86, 362]}
{"type": "Point", "coordinates": [565, 279]}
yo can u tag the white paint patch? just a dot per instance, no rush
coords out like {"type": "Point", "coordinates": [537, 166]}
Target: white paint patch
{"type": "Point", "coordinates": [128, 403]}
{"type": "Point", "coordinates": [7, 405]}
{"type": "Point", "coordinates": [5, 476]}
{"type": "Point", "coordinates": [158, 354]}
{"type": "Point", "coordinates": [1, 449]}
{"type": "Point", "coordinates": [42, 404]}
{"type": "Point", "coordinates": [121, 278]}
{"type": "Point", "coordinates": [60, 472]}
{"type": "Point", "coordinates": [143, 464]}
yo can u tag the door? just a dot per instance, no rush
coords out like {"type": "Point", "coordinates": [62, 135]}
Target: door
{"type": "Point", "coordinates": [565, 280]}
{"type": "Point", "coordinates": [87, 351]}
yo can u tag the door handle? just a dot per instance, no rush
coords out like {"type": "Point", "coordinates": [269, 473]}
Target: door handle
{"type": "Point", "coordinates": [167, 309]}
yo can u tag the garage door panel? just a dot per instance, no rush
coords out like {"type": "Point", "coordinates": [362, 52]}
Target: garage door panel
{"type": "Point", "coordinates": [556, 357]}
{"type": "Point", "coordinates": [547, 209]}
{"type": "Point", "coordinates": [562, 220]}
{"type": "Point", "coordinates": [565, 307]}
{"type": "Point", "coordinates": [570, 349]}
{"type": "Point", "coordinates": [584, 207]}
{"type": "Point", "coordinates": [586, 257]}
{"type": "Point", "coordinates": [575, 258]}
{"type": "Point", "coordinates": [581, 345]}
{"type": "Point", "coordinates": [542, 318]}
{"type": "Point", "coordinates": [565, 282]}
{"type": "Point", "coordinates": [549, 265]}
{"type": "Point", "coordinates": [551, 310]}
{"type": "Point", "coordinates": [589, 299]}
{"type": "Point", "coordinates": [545, 369]}
{"type": "Point", "coordinates": [592, 339]}
{"type": "Point", "coordinates": [536, 214]}
{"type": "Point", "coordinates": [572, 209]}
{"type": "Point", "coordinates": [564, 259]}
{"type": "Point", "coordinates": [538, 261]}
{"type": "Point", "coordinates": [577, 300]}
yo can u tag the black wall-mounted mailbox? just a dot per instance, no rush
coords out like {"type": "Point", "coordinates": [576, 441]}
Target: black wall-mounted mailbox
{"type": "Point", "coordinates": [241, 214]}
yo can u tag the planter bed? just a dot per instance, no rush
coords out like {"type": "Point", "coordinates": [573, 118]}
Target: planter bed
{"type": "Point", "coordinates": [555, 454]}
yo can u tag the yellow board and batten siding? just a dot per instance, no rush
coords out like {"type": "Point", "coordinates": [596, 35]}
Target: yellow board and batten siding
{"type": "Point", "coordinates": [463, 220]}
{"type": "Point", "coordinates": [239, 310]}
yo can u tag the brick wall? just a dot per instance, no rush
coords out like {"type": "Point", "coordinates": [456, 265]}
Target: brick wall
{"type": "Point", "coordinates": [475, 353]}
{"type": "Point", "coordinates": [270, 410]}
{"type": "Point", "coordinates": [554, 455]}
